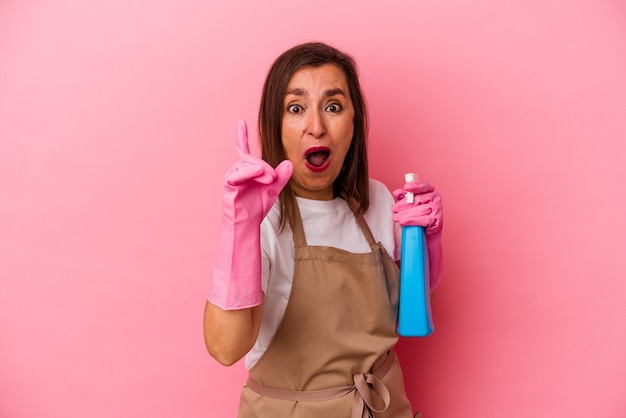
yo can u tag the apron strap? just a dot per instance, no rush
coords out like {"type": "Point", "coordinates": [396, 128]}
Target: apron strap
{"type": "Point", "coordinates": [367, 387]}
{"type": "Point", "coordinates": [366, 230]}
{"type": "Point", "coordinates": [299, 239]}
{"type": "Point", "coordinates": [360, 219]}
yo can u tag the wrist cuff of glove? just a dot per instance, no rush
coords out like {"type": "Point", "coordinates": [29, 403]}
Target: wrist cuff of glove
{"type": "Point", "coordinates": [235, 292]}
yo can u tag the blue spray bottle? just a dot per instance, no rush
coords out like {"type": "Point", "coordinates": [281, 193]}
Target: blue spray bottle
{"type": "Point", "coordinates": [415, 316]}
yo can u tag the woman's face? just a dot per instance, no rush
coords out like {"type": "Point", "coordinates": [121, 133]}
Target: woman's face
{"type": "Point", "coordinates": [317, 128]}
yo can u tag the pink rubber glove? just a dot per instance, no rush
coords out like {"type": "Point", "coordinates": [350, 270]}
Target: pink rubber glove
{"type": "Point", "coordinates": [250, 189]}
{"type": "Point", "coordinates": [426, 211]}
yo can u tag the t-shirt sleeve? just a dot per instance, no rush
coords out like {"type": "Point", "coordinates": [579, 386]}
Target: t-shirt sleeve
{"type": "Point", "coordinates": [382, 200]}
{"type": "Point", "coordinates": [265, 270]}
{"type": "Point", "coordinates": [267, 238]}
{"type": "Point", "coordinates": [397, 230]}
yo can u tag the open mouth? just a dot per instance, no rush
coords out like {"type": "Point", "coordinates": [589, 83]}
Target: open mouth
{"type": "Point", "coordinates": [317, 158]}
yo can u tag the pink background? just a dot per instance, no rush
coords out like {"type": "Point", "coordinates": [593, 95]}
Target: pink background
{"type": "Point", "coordinates": [117, 123]}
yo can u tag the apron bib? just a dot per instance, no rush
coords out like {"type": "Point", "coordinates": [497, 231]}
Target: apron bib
{"type": "Point", "coordinates": [332, 355]}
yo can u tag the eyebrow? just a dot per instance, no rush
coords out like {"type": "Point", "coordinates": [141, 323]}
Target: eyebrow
{"type": "Point", "coordinates": [334, 92]}
{"type": "Point", "coordinates": [328, 93]}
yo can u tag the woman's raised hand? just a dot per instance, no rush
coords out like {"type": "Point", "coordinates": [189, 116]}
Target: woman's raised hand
{"type": "Point", "coordinates": [251, 181]}
{"type": "Point", "coordinates": [250, 190]}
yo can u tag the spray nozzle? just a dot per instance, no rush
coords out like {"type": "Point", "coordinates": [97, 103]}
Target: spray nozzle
{"type": "Point", "coordinates": [408, 178]}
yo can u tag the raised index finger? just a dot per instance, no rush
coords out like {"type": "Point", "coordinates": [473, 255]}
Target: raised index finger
{"type": "Point", "coordinates": [242, 138]}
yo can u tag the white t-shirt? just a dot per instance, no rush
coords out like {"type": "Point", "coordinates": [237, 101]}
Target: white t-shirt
{"type": "Point", "coordinates": [327, 223]}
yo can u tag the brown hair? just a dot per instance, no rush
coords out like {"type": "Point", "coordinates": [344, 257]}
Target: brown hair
{"type": "Point", "coordinates": [352, 182]}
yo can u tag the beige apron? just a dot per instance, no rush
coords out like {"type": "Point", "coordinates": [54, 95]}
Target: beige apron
{"type": "Point", "coordinates": [332, 355]}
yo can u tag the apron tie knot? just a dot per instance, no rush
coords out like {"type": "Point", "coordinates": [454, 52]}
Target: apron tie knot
{"type": "Point", "coordinates": [371, 396]}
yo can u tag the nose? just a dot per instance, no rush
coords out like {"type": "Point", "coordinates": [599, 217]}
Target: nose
{"type": "Point", "coordinates": [315, 125]}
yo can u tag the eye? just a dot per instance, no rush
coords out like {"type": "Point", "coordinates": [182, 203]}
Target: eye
{"type": "Point", "coordinates": [334, 107]}
{"type": "Point", "coordinates": [295, 109]}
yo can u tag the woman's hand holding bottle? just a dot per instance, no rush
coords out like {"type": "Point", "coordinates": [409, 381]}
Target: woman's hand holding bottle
{"type": "Point", "coordinates": [425, 211]}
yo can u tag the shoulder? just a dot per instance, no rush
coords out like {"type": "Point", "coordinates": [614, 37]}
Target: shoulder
{"type": "Point", "coordinates": [381, 198]}
{"type": "Point", "coordinates": [273, 237]}
{"type": "Point", "coordinates": [379, 217]}
{"type": "Point", "coordinates": [271, 220]}
{"type": "Point", "coordinates": [379, 193]}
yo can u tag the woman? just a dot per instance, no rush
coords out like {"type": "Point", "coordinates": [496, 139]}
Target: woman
{"type": "Point", "coordinates": [311, 295]}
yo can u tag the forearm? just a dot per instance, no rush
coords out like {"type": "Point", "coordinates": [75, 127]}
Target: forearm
{"type": "Point", "coordinates": [232, 315]}
{"type": "Point", "coordinates": [230, 334]}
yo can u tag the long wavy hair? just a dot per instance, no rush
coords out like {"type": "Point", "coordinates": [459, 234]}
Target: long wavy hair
{"type": "Point", "coordinates": [352, 182]}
